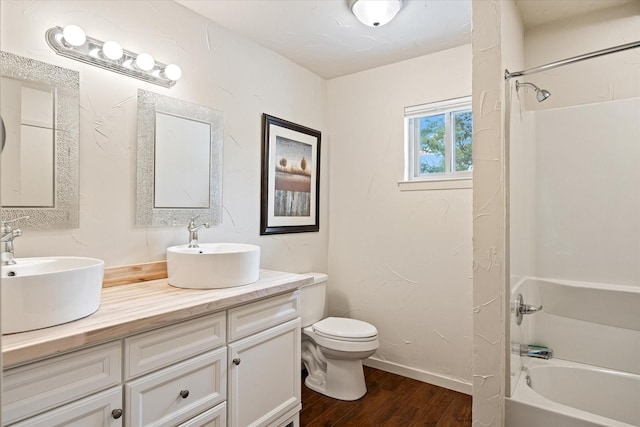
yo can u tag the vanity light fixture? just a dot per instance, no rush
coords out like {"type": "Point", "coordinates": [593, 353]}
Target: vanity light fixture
{"type": "Point", "coordinates": [375, 13]}
{"type": "Point", "coordinates": [72, 42]}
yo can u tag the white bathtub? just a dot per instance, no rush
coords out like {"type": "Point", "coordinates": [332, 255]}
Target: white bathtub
{"type": "Point", "coordinates": [570, 394]}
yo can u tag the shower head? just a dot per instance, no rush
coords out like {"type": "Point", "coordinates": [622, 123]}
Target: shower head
{"type": "Point", "coordinates": [541, 94]}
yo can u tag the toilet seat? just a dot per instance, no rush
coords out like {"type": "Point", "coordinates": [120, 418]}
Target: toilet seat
{"type": "Point", "coordinates": [345, 329]}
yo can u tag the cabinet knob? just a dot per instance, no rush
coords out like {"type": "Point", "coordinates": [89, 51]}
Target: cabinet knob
{"type": "Point", "coordinates": [184, 393]}
{"type": "Point", "coordinates": [236, 361]}
{"type": "Point", "coordinates": [116, 413]}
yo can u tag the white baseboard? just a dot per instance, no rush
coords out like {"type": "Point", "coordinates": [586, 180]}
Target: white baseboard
{"type": "Point", "coordinates": [416, 374]}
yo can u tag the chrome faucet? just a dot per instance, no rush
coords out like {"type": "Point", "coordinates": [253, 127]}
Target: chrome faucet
{"type": "Point", "coordinates": [519, 308]}
{"type": "Point", "coordinates": [193, 231]}
{"type": "Point", "coordinates": [8, 236]}
{"type": "Point", "coordinates": [537, 351]}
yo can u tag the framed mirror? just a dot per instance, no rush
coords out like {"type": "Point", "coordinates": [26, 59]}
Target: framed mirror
{"type": "Point", "coordinates": [41, 115]}
{"type": "Point", "coordinates": [179, 162]}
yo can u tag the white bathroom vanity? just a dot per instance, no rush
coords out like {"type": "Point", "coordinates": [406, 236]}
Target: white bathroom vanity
{"type": "Point", "coordinates": [163, 356]}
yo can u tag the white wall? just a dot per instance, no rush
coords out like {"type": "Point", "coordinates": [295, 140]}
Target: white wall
{"type": "Point", "coordinates": [610, 77]}
{"type": "Point", "coordinates": [497, 44]}
{"type": "Point", "coordinates": [400, 260]}
{"type": "Point", "coordinates": [587, 194]}
{"type": "Point", "coordinates": [220, 70]}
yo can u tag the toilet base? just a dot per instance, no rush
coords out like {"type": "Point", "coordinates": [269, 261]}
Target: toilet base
{"type": "Point", "coordinates": [344, 379]}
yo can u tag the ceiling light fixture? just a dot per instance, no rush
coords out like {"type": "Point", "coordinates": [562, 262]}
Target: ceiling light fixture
{"type": "Point", "coordinates": [72, 42]}
{"type": "Point", "coordinates": [375, 13]}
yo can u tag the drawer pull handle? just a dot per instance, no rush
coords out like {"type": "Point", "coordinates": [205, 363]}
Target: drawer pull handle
{"type": "Point", "coordinates": [116, 413]}
{"type": "Point", "coordinates": [236, 361]}
{"type": "Point", "coordinates": [184, 393]}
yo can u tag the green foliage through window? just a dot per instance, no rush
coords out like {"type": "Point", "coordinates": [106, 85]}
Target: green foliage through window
{"type": "Point", "coordinates": [440, 138]}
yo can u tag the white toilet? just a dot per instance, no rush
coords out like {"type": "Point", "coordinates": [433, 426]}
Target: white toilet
{"type": "Point", "coordinates": [333, 348]}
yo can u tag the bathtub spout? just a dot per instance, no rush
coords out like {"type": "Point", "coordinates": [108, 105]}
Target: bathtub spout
{"type": "Point", "coordinates": [537, 351]}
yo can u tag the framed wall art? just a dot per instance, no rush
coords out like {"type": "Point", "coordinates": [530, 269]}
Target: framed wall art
{"type": "Point", "coordinates": [290, 177]}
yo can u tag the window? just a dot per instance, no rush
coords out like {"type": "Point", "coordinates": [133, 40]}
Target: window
{"type": "Point", "coordinates": [438, 138]}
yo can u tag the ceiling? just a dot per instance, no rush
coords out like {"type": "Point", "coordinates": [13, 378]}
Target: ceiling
{"type": "Point", "coordinates": [326, 38]}
{"type": "Point", "coordinates": [536, 12]}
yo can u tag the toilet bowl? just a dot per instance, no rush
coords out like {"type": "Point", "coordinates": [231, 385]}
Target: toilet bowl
{"type": "Point", "coordinates": [333, 348]}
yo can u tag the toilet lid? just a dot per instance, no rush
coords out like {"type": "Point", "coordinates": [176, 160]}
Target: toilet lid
{"type": "Point", "coordinates": [340, 327]}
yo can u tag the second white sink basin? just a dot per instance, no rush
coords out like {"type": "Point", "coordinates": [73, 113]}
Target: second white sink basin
{"type": "Point", "coordinates": [42, 292]}
{"type": "Point", "coordinates": [213, 265]}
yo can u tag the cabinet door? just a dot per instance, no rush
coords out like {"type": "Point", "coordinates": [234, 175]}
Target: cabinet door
{"type": "Point", "coordinates": [264, 376]}
{"type": "Point", "coordinates": [100, 410]}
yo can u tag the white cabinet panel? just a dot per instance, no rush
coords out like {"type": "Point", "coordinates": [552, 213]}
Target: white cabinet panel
{"type": "Point", "coordinates": [37, 387]}
{"type": "Point", "coordinates": [260, 315]}
{"type": "Point", "coordinates": [215, 417]}
{"type": "Point", "coordinates": [95, 411]}
{"type": "Point", "coordinates": [162, 347]}
{"type": "Point", "coordinates": [177, 393]}
{"type": "Point", "coordinates": [264, 376]}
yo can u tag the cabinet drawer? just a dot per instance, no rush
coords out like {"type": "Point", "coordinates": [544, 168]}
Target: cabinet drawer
{"type": "Point", "coordinates": [215, 417]}
{"type": "Point", "coordinates": [94, 410]}
{"type": "Point", "coordinates": [163, 347]}
{"type": "Point", "coordinates": [261, 315]}
{"type": "Point", "coordinates": [37, 387]}
{"type": "Point", "coordinates": [155, 399]}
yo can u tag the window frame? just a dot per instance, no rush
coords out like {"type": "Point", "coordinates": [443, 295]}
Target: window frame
{"type": "Point", "coordinates": [412, 140]}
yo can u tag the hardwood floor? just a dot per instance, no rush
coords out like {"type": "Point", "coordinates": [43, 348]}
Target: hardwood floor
{"type": "Point", "coordinates": [392, 401]}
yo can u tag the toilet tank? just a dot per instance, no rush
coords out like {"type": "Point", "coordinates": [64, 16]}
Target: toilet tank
{"type": "Point", "coordinates": [312, 299]}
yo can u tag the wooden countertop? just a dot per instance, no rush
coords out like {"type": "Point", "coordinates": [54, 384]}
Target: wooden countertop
{"type": "Point", "coordinates": [132, 308]}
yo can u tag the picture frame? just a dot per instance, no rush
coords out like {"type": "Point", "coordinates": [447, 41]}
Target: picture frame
{"type": "Point", "coordinates": [290, 184]}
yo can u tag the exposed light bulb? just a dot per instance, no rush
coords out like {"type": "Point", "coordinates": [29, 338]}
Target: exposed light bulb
{"type": "Point", "coordinates": [375, 13]}
{"type": "Point", "coordinates": [173, 72]}
{"type": "Point", "coordinates": [145, 62]}
{"type": "Point", "coordinates": [74, 35]}
{"type": "Point", "coordinates": [72, 42]}
{"type": "Point", "coordinates": [112, 50]}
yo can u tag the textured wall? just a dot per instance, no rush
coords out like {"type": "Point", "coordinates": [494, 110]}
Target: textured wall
{"type": "Point", "coordinates": [489, 213]}
{"type": "Point", "coordinates": [400, 260]}
{"type": "Point", "coordinates": [220, 70]}
{"type": "Point", "coordinates": [607, 78]}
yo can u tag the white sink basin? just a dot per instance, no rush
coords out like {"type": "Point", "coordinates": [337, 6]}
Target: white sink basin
{"type": "Point", "coordinates": [42, 292]}
{"type": "Point", "coordinates": [213, 265]}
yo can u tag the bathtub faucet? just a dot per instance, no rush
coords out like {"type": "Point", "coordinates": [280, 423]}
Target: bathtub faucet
{"type": "Point", "coordinates": [536, 351]}
{"type": "Point", "coordinates": [519, 308]}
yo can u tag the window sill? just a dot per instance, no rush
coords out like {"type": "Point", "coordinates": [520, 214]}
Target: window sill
{"type": "Point", "coordinates": [436, 184]}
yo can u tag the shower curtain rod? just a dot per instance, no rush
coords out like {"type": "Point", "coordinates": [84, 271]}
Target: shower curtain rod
{"type": "Point", "coordinates": [551, 65]}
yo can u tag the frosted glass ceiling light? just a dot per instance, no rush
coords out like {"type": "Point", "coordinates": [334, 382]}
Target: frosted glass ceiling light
{"type": "Point", "coordinates": [72, 42]}
{"type": "Point", "coordinates": [375, 13]}
{"type": "Point", "coordinates": [112, 50]}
